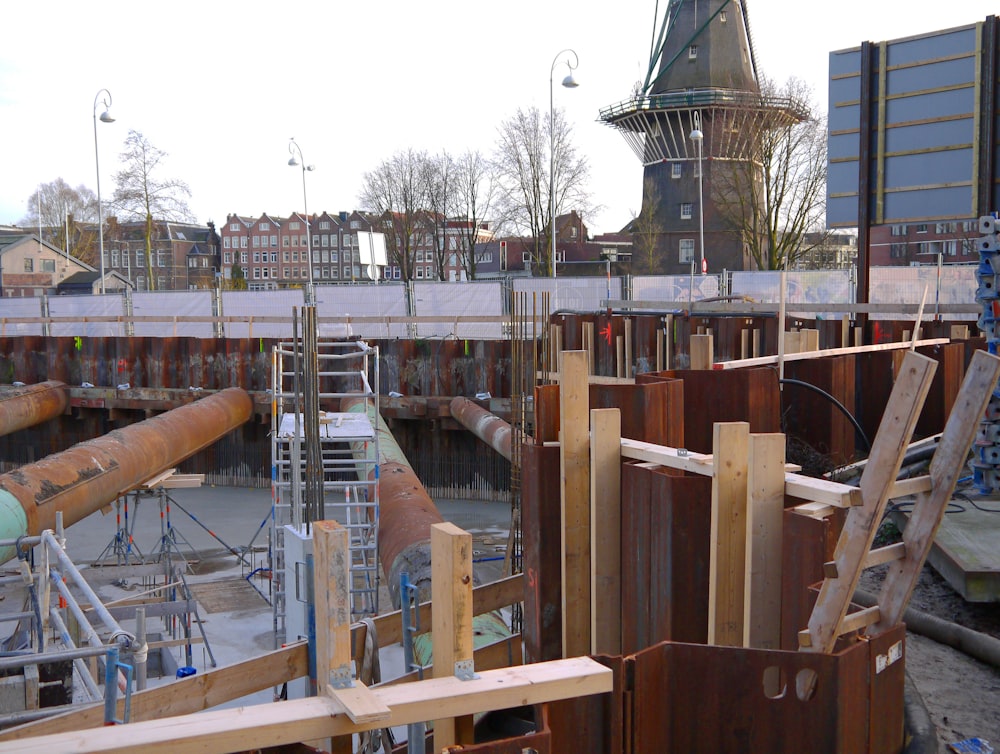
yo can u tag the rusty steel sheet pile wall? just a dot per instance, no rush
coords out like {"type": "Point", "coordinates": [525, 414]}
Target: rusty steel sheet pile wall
{"type": "Point", "coordinates": [93, 474]}
{"type": "Point", "coordinates": [23, 407]}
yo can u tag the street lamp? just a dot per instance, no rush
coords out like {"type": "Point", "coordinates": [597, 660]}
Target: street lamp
{"type": "Point", "coordinates": [698, 137]}
{"type": "Point", "coordinates": [570, 83]}
{"type": "Point", "coordinates": [293, 161]}
{"type": "Point", "coordinates": [105, 118]}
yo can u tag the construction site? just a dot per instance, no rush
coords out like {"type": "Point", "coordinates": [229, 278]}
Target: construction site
{"type": "Point", "coordinates": [633, 514]}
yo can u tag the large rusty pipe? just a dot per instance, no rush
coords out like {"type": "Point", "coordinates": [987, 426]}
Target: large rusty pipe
{"type": "Point", "coordinates": [488, 427]}
{"type": "Point", "coordinates": [406, 511]}
{"type": "Point", "coordinates": [23, 407]}
{"type": "Point", "coordinates": [92, 474]}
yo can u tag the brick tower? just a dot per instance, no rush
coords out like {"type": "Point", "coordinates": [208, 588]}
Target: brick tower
{"type": "Point", "coordinates": [701, 79]}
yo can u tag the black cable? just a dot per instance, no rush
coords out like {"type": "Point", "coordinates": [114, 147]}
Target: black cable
{"type": "Point", "coordinates": [843, 409]}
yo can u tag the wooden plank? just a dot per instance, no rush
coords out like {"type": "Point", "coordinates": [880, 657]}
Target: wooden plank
{"type": "Point", "coordinates": [911, 486]}
{"type": "Point", "coordinates": [264, 725]}
{"type": "Point", "coordinates": [945, 468]}
{"type": "Point", "coordinates": [895, 431]}
{"type": "Point", "coordinates": [859, 619]}
{"type": "Point", "coordinates": [331, 590]}
{"type": "Point", "coordinates": [822, 491]}
{"type": "Point", "coordinates": [183, 696]}
{"type": "Point", "coordinates": [451, 592]}
{"type": "Point", "coordinates": [588, 345]}
{"type": "Point", "coordinates": [814, 510]}
{"type": "Point", "coordinates": [574, 458]}
{"type": "Point", "coordinates": [702, 352]}
{"type": "Point", "coordinates": [30, 687]}
{"type": "Point", "coordinates": [727, 557]}
{"type": "Point", "coordinates": [793, 343]}
{"type": "Point", "coordinates": [673, 458]}
{"type": "Point", "coordinates": [360, 704]}
{"type": "Point", "coordinates": [765, 512]}
{"type": "Point", "coordinates": [809, 339]}
{"type": "Point", "coordinates": [762, 361]}
{"type": "Point", "coordinates": [605, 530]}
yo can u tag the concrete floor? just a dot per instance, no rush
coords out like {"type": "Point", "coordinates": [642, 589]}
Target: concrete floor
{"type": "Point", "coordinates": [238, 517]}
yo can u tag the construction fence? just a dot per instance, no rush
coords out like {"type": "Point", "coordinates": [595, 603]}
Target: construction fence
{"type": "Point", "coordinates": [475, 310]}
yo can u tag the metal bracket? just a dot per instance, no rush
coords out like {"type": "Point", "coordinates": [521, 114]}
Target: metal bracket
{"type": "Point", "coordinates": [340, 678]}
{"type": "Point", "coordinates": [465, 670]}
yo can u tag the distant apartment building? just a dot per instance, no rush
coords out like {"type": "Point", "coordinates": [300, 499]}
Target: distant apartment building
{"type": "Point", "coordinates": [828, 251]}
{"type": "Point", "coordinates": [30, 267]}
{"type": "Point", "coordinates": [274, 252]}
{"type": "Point", "coordinates": [182, 256]}
{"type": "Point", "coordinates": [577, 254]}
{"type": "Point", "coordinates": [920, 243]}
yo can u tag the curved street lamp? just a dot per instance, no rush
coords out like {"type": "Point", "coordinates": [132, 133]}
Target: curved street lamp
{"type": "Point", "coordinates": [105, 118]}
{"type": "Point", "coordinates": [698, 137]}
{"type": "Point", "coordinates": [570, 83]}
{"type": "Point", "coordinates": [293, 161]}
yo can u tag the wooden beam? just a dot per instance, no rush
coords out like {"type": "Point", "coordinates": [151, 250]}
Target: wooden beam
{"type": "Point", "coordinates": [332, 600]}
{"type": "Point", "coordinates": [451, 592]}
{"type": "Point", "coordinates": [605, 530]}
{"type": "Point", "coordinates": [727, 555]}
{"type": "Point", "coordinates": [574, 461]}
{"type": "Point", "coordinates": [946, 466]}
{"type": "Point", "coordinates": [702, 354]}
{"type": "Point", "coordinates": [765, 513]}
{"type": "Point", "coordinates": [263, 725]}
{"type": "Point", "coordinates": [894, 432]}
{"type": "Point", "coordinates": [822, 491]}
{"type": "Point", "coordinates": [763, 361]}
{"type": "Point", "coordinates": [184, 696]}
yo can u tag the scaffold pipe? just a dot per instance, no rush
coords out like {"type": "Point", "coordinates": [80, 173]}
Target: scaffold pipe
{"type": "Point", "coordinates": [92, 474]}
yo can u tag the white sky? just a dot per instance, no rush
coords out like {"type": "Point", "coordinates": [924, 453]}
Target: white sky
{"type": "Point", "coordinates": [221, 86]}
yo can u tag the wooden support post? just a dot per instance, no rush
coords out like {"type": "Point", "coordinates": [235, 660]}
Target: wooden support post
{"type": "Point", "coordinates": [659, 337]}
{"type": "Point", "coordinates": [744, 344]}
{"type": "Point", "coordinates": [588, 345]}
{"type": "Point", "coordinates": [845, 331]}
{"type": "Point", "coordinates": [877, 480]}
{"type": "Point", "coordinates": [946, 465]}
{"type": "Point", "coordinates": [605, 530]}
{"type": "Point", "coordinates": [31, 687]}
{"type": "Point", "coordinates": [668, 340]}
{"type": "Point", "coordinates": [451, 594]}
{"type": "Point", "coordinates": [331, 593]}
{"type": "Point", "coordinates": [702, 356]}
{"type": "Point", "coordinates": [859, 337]}
{"type": "Point", "coordinates": [756, 343]}
{"type": "Point", "coordinates": [574, 462]}
{"type": "Point", "coordinates": [727, 556]}
{"type": "Point", "coordinates": [765, 514]}
{"type": "Point", "coordinates": [959, 332]}
{"type": "Point", "coordinates": [628, 348]}
{"type": "Point", "coordinates": [809, 340]}
{"type": "Point", "coordinates": [793, 342]}
{"type": "Point", "coordinates": [619, 356]}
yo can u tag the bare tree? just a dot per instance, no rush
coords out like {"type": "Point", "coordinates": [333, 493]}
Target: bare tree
{"type": "Point", "coordinates": [775, 198]}
{"type": "Point", "coordinates": [522, 160]}
{"type": "Point", "coordinates": [475, 197]}
{"type": "Point", "coordinates": [439, 171]}
{"type": "Point", "coordinates": [141, 195]}
{"type": "Point", "coordinates": [396, 193]}
{"type": "Point", "coordinates": [55, 205]}
{"type": "Point", "coordinates": [646, 228]}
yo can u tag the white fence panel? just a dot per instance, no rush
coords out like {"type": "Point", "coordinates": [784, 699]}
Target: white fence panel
{"type": "Point", "coordinates": [674, 289]}
{"type": "Point", "coordinates": [949, 284]}
{"type": "Point", "coordinates": [20, 307]}
{"type": "Point", "coordinates": [170, 304]}
{"type": "Point", "coordinates": [572, 294]}
{"type": "Point", "coordinates": [260, 304]}
{"type": "Point", "coordinates": [367, 300]}
{"type": "Point", "coordinates": [455, 301]}
{"type": "Point", "coordinates": [73, 311]}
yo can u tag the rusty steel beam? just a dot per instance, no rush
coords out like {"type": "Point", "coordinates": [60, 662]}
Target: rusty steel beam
{"type": "Point", "coordinates": [488, 427]}
{"type": "Point", "coordinates": [23, 407]}
{"type": "Point", "coordinates": [92, 474]}
{"type": "Point", "coordinates": [406, 511]}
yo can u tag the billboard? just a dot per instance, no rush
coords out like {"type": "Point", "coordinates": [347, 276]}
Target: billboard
{"type": "Point", "coordinates": [912, 125]}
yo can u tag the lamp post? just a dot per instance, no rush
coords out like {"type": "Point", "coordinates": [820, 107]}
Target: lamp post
{"type": "Point", "coordinates": [570, 83]}
{"type": "Point", "coordinates": [293, 161]}
{"type": "Point", "coordinates": [105, 118]}
{"type": "Point", "coordinates": [698, 137]}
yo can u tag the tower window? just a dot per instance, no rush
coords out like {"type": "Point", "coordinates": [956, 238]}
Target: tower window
{"type": "Point", "coordinates": [686, 211]}
{"type": "Point", "coordinates": [722, 16]}
{"type": "Point", "coordinates": [675, 170]}
{"type": "Point", "coordinates": [686, 251]}
{"type": "Point", "coordinates": [693, 52]}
